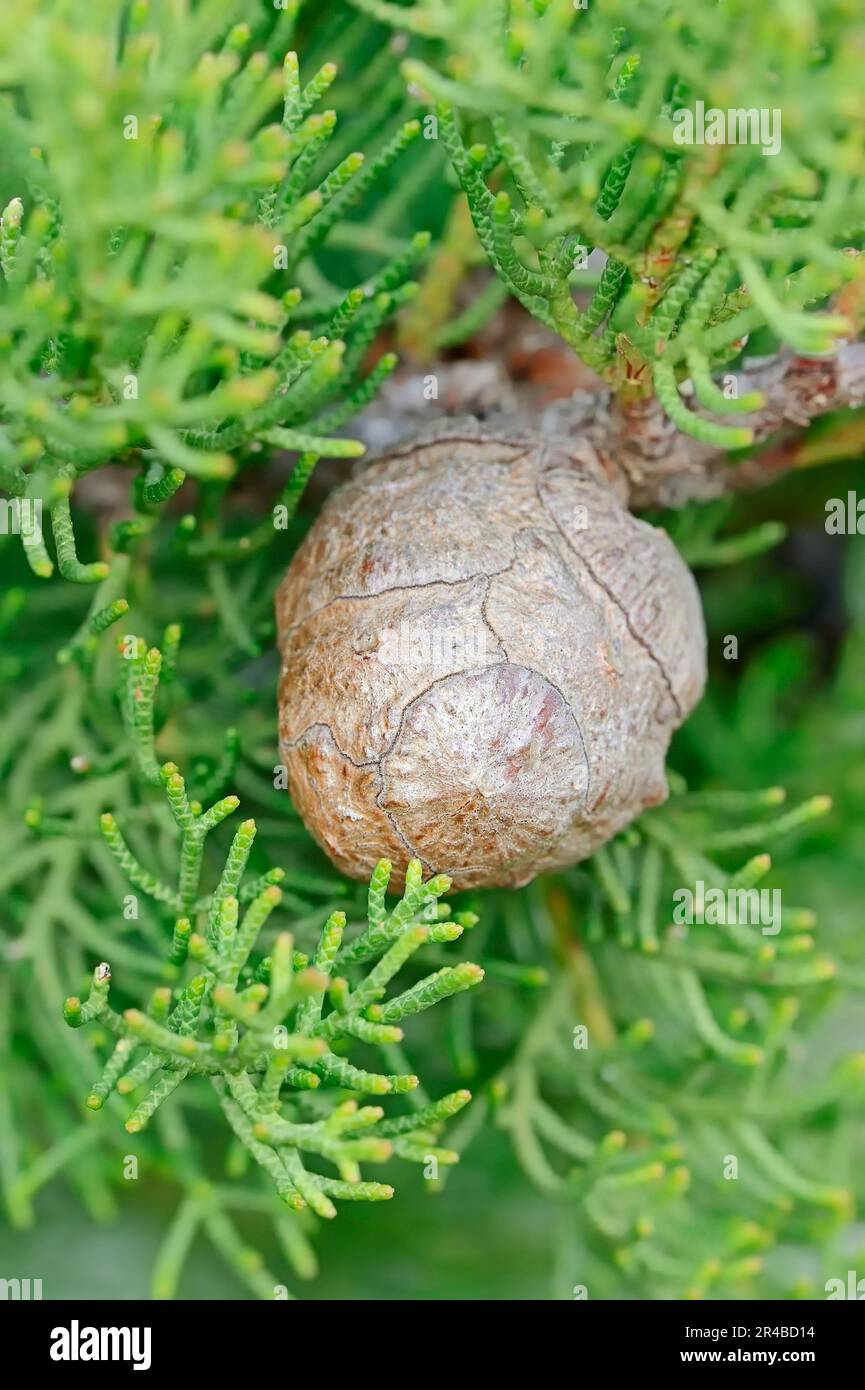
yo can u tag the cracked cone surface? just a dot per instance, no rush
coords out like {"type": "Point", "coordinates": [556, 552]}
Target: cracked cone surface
{"type": "Point", "coordinates": [484, 656]}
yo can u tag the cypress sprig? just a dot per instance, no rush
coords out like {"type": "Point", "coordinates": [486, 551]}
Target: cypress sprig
{"type": "Point", "coordinates": [162, 381]}
{"type": "Point", "coordinates": [578, 143]}
{"type": "Point", "coordinates": [387, 928]}
{"type": "Point", "coordinates": [639, 1160]}
{"type": "Point", "coordinates": [260, 1032]}
{"type": "Point", "coordinates": [142, 678]}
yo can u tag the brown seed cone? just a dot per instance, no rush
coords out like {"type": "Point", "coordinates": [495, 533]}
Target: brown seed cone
{"type": "Point", "coordinates": [484, 656]}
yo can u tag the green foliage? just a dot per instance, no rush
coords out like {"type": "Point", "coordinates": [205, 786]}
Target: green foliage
{"type": "Point", "coordinates": [151, 312]}
{"type": "Point", "coordinates": [268, 1031]}
{"type": "Point", "coordinates": [683, 1059]}
{"type": "Point", "coordinates": [247, 1068]}
{"type": "Point", "coordinates": [561, 123]}
{"type": "Point", "coordinates": [697, 1042]}
{"type": "Point", "coordinates": [256, 1029]}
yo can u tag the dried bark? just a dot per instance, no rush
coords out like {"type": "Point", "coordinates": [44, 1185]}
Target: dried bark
{"type": "Point", "coordinates": [666, 468]}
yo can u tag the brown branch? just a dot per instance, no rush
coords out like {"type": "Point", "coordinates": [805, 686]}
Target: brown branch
{"type": "Point", "coordinates": [666, 468]}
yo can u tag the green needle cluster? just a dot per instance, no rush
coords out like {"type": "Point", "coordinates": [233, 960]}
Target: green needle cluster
{"type": "Point", "coordinates": [152, 307]}
{"type": "Point", "coordinates": [266, 1030]}
{"type": "Point", "coordinates": [564, 125]}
